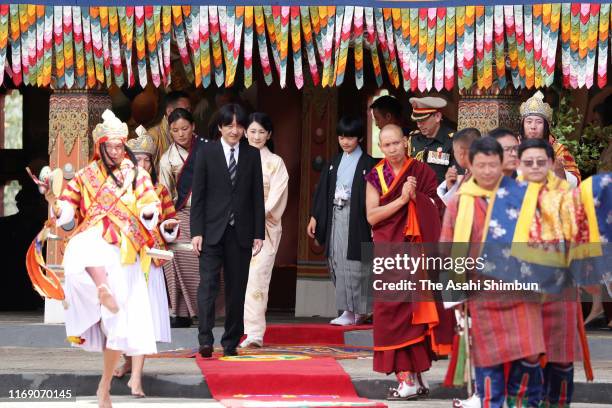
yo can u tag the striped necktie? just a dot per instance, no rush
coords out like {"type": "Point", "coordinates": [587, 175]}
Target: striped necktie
{"type": "Point", "coordinates": [232, 174]}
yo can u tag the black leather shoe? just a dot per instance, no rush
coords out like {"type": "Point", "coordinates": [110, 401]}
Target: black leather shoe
{"type": "Point", "coordinates": [180, 322]}
{"type": "Point", "coordinates": [229, 352]}
{"type": "Point", "coordinates": [206, 351]}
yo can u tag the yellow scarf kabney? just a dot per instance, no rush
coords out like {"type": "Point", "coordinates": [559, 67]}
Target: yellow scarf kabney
{"type": "Point", "coordinates": [468, 192]}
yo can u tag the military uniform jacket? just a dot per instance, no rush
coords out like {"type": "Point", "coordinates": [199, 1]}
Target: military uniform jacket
{"type": "Point", "coordinates": [436, 152]}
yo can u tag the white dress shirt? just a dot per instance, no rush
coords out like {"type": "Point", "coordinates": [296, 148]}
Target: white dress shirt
{"type": "Point", "coordinates": [227, 152]}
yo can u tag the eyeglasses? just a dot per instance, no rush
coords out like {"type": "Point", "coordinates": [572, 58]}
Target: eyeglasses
{"type": "Point", "coordinates": [530, 163]}
{"type": "Point", "coordinates": [511, 149]}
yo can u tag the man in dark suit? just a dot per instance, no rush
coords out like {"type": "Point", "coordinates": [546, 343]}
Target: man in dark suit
{"type": "Point", "coordinates": [227, 224]}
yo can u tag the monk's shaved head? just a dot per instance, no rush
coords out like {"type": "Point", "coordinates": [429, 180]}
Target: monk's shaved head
{"type": "Point", "coordinates": [391, 130]}
{"type": "Point", "coordinates": [393, 143]}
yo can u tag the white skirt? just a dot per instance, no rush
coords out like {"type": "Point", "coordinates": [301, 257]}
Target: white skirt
{"type": "Point", "coordinates": [131, 330]}
{"type": "Point", "coordinates": [159, 304]}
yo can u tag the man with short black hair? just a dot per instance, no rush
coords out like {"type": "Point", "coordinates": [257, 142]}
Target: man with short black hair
{"type": "Point", "coordinates": [227, 225]}
{"type": "Point", "coordinates": [537, 159]}
{"type": "Point", "coordinates": [509, 141]}
{"type": "Point", "coordinates": [338, 221]}
{"type": "Point", "coordinates": [560, 321]}
{"type": "Point", "coordinates": [386, 110]}
{"type": "Point", "coordinates": [456, 174]}
{"type": "Point", "coordinates": [161, 132]}
{"type": "Point", "coordinates": [502, 331]}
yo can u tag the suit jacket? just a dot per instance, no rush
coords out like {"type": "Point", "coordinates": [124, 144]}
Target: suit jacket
{"type": "Point", "coordinates": [185, 178]}
{"type": "Point", "coordinates": [214, 197]}
{"type": "Point", "coordinates": [323, 206]}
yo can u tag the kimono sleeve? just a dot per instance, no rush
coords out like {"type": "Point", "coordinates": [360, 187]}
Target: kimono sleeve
{"type": "Point", "coordinates": [277, 196]}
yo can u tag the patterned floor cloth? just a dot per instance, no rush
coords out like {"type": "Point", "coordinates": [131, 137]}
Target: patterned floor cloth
{"type": "Point", "coordinates": [337, 352]}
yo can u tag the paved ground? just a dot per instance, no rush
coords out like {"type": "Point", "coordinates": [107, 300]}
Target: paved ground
{"type": "Point", "coordinates": [127, 402]}
{"type": "Point", "coordinates": [36, 356]}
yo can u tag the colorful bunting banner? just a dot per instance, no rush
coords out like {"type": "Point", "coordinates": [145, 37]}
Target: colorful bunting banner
{"type": "Point", "coordinates": [104, 24]}
{"type": "Point", "coordinates": [113, 22]}
{"type": "Point", "coordinates": [126, 26]}
{"type": "Point", "coordinates": [166, 25]}
{"type": "Point", "coordinates": [310, 51]}
{"type": "Point", "coordinates": [428, 48]}
{"type": "Point", "coordinates": [4, 15]}
{"type": "Point", "coordinates": [449, 50]}
{"type": "Point", "coordinates": [602, 52]}
{"type": "Point", "coordinates": [440, 47]}
{"type": "Point", "coordinates": [79, 57]}
{"type": "Point", "coordinates": [296, 47]}
{"type": "Point", "coordinates": [40, 41]}
{"type": "Point", "coordinates": [58, 38]}
{"type": "Point", "coordinates": [262, 44]}
{"type": "Point", "coordinates": [551, 46]}
{"type": "Point", "coordinates": [498, 39]}
{"type": "Point", "coordinates": [87, 47]}
{"type": "Point", "coordinates": [468, 47]}
{"type": "Point", "coordinates": [215, 38]}
{"type": "Point", "coordinates": [480, 46]}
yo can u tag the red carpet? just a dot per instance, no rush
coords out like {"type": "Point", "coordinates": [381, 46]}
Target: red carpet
{"type": "Point", "coordinates": [298, 401]}
{"type": "Point", "coordinates": [309, 334]}
{"type": "Point", "coordinates": [296, 375]}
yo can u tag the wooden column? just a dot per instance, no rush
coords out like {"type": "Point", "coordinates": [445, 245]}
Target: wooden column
{"type": "Point", "coordinates": [487, 110]}
{"type": "Point", "coordinates": [72, 117]}
{"type": "Point", "coordinates": [314, 290]}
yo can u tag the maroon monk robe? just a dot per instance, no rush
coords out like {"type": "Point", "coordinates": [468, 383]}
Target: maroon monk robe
{"type": "Point", "coordinates": [399, 343]}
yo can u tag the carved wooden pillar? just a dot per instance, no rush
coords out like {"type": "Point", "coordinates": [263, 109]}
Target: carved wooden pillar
{"type": "Point", "coordinates": [486, 110]}
{"type": "Point", "coordinates": [314, 289]}
{"type": "Point", "coordinates": [72, 117]}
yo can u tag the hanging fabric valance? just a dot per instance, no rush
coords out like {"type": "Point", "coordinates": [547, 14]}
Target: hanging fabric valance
{"type": "Point", "coordinates": [421, 49]}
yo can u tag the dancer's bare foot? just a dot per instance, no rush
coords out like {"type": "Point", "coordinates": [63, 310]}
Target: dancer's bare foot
{"type": "Point", "coordinates": [124, 369]}
{"type": "Point", "coordinates": [104, 398]}
{"type": "Point", "coordinates": [596, 312]}
{"type": "Point", "coordinates": [106, 298]}
{"type": "Point", "coordinates": [136, 387]}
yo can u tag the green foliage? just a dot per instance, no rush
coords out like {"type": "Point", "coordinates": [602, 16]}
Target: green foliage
{"type": "Point", "coordinates": [587, 147]}
{"type": "Point", "coordinates": [13, 120]}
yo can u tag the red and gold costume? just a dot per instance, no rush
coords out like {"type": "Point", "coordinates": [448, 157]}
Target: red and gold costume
{"type": "Point", "coordinates": [112, 233]}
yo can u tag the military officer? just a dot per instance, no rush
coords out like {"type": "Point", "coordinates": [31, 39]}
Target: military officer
{"type": "Point", "coordinates": [432, 143]}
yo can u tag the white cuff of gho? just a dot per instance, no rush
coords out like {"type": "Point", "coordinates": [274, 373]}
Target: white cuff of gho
{"type": "Point", "coordinates": [168, 236]}
{"type": "Point", "coordinates": [571, 179]}
{"type": "Point", "coordinates": [66, 215]}
{"type": "Point", "coordinates": [149, 224]}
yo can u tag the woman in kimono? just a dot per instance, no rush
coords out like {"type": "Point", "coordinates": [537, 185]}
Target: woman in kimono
{"type": "Point", "coordinates": [182, 273]}
{"type": "Point", "coordinates": [144, 149]}
{"type": "Point", "coordinates": [275, 179]}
